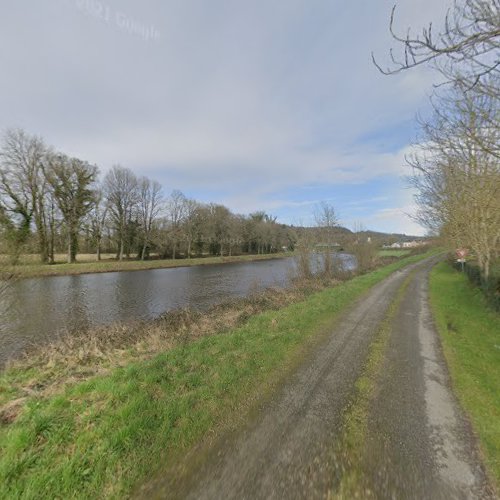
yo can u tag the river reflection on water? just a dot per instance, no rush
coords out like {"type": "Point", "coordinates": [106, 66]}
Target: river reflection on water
{"type": "Point", "coordinates": [40, 309]}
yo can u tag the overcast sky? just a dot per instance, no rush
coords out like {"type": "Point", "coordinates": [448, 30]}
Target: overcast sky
{"type": "Point", "coordinates": [259, 104]}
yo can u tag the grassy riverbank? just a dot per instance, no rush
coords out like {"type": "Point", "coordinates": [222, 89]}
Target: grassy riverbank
{"type": "Point", "coordinates": [101, 435]}
{"type": "Point", "coordinates": [29, 269]}
{"type": "Point", "coordinates": [470, 333]}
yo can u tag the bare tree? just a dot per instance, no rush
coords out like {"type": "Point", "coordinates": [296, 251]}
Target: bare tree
{"type": "Point", "coordinates": [14, 230]}
{"type": "Point", "coordinates": [254, 231]}
{"type": "Point", "coordinates": [53, 222]}
{"type": "Point", "coordinates": [150, 206]}
{"type": "Point", "coordinates": [192, 224]}
{"type": "Point", "coordinates": [235, 237]}
{"type": "Point", "coordinates": [23, 186]}
{"type": "Point", "coordinates": [458, 182]}
{"type": "Point", "coordinates": [72, 182]}
{"type": "Point", "coordinates": [456, 167]}
{"type": "Point", "coordinates": [326, 219]}
{"type": "Point", "coordinates": [97, 220]}
{"type": "Point", "coordinates": [176, 214]}
{"type": "Point", "coordinates": [362, 247]}
{"type": "Point", "coordinates": [120, 188]}
{"type": "Point", "coordinates": [304, 246]}
{"type": "Point", "coordinates": [261, 231]}
{"type": "Point", "coordinates": [219, 227]}
{"type": "Point", "coordinates": [466, 49]}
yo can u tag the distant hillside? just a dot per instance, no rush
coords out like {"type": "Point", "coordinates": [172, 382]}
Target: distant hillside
{"type": "Point", "coordinates": [391, 237]}
{"type": "Point", "coordinates": [344, 234]}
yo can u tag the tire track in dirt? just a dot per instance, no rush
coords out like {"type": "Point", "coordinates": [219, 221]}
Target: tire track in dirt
{"type": "Point", "coordinates": [419, 443]}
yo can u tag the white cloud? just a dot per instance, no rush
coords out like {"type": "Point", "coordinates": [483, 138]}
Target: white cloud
{"type": "Point", "coordinates": [398, 218]}
{"type": "Point", "coordinates": [242, 99]}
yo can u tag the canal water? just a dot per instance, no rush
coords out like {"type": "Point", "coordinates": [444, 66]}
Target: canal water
{"type": "Point", "coordinates": [38, 310]}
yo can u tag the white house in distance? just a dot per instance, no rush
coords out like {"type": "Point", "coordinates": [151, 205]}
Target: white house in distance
{"type": "Point", "coordinates": [407, 244]}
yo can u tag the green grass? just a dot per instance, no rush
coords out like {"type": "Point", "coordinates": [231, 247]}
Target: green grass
{"type": "Point", "coordinates": [101, 437]}
{"type": "Point", "coordinates": [30, 269]}
{"type": "Point", "coordinates": [389, 252]}
{"type": "Point", "coordinates": [470, 334]}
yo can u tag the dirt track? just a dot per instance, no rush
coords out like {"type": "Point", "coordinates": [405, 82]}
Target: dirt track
{"type": "Point", "coordinates": [419, 444]}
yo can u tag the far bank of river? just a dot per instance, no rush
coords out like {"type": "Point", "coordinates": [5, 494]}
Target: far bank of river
{"type": "Point", "coordinates": [88, 265]}
{"type": "Point", "coordinates": [39, 310]}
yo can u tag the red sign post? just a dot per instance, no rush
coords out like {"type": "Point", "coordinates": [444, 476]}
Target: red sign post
{"type": "Point", "coordinates": [461, 254]}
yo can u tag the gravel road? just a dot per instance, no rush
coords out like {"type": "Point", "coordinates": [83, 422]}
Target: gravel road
{"type": "Point", "coordinates": [418, 444]}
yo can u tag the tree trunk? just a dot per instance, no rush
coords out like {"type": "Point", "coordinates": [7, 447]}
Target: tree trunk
{"type": "Point", "coordinates": [120, 253]}
{"type": "Point", "coordinates": [52, 243]}
{"type": "Point", "coordinates": [42, 245]}
{"type": "Point", "coordinates": [486, 267]}
{"type": "Point", "coordinates": [41, 230]}
{"type": "Point", "coordinates": [72, 246]}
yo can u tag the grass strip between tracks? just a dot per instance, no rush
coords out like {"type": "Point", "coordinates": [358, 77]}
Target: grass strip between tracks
{"type": "Point", "coordinates": [355, 418]}
{"type": "Point", "coordinates": [470, 335]}
{"type": "Point", "coordinates": [101, 437]}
